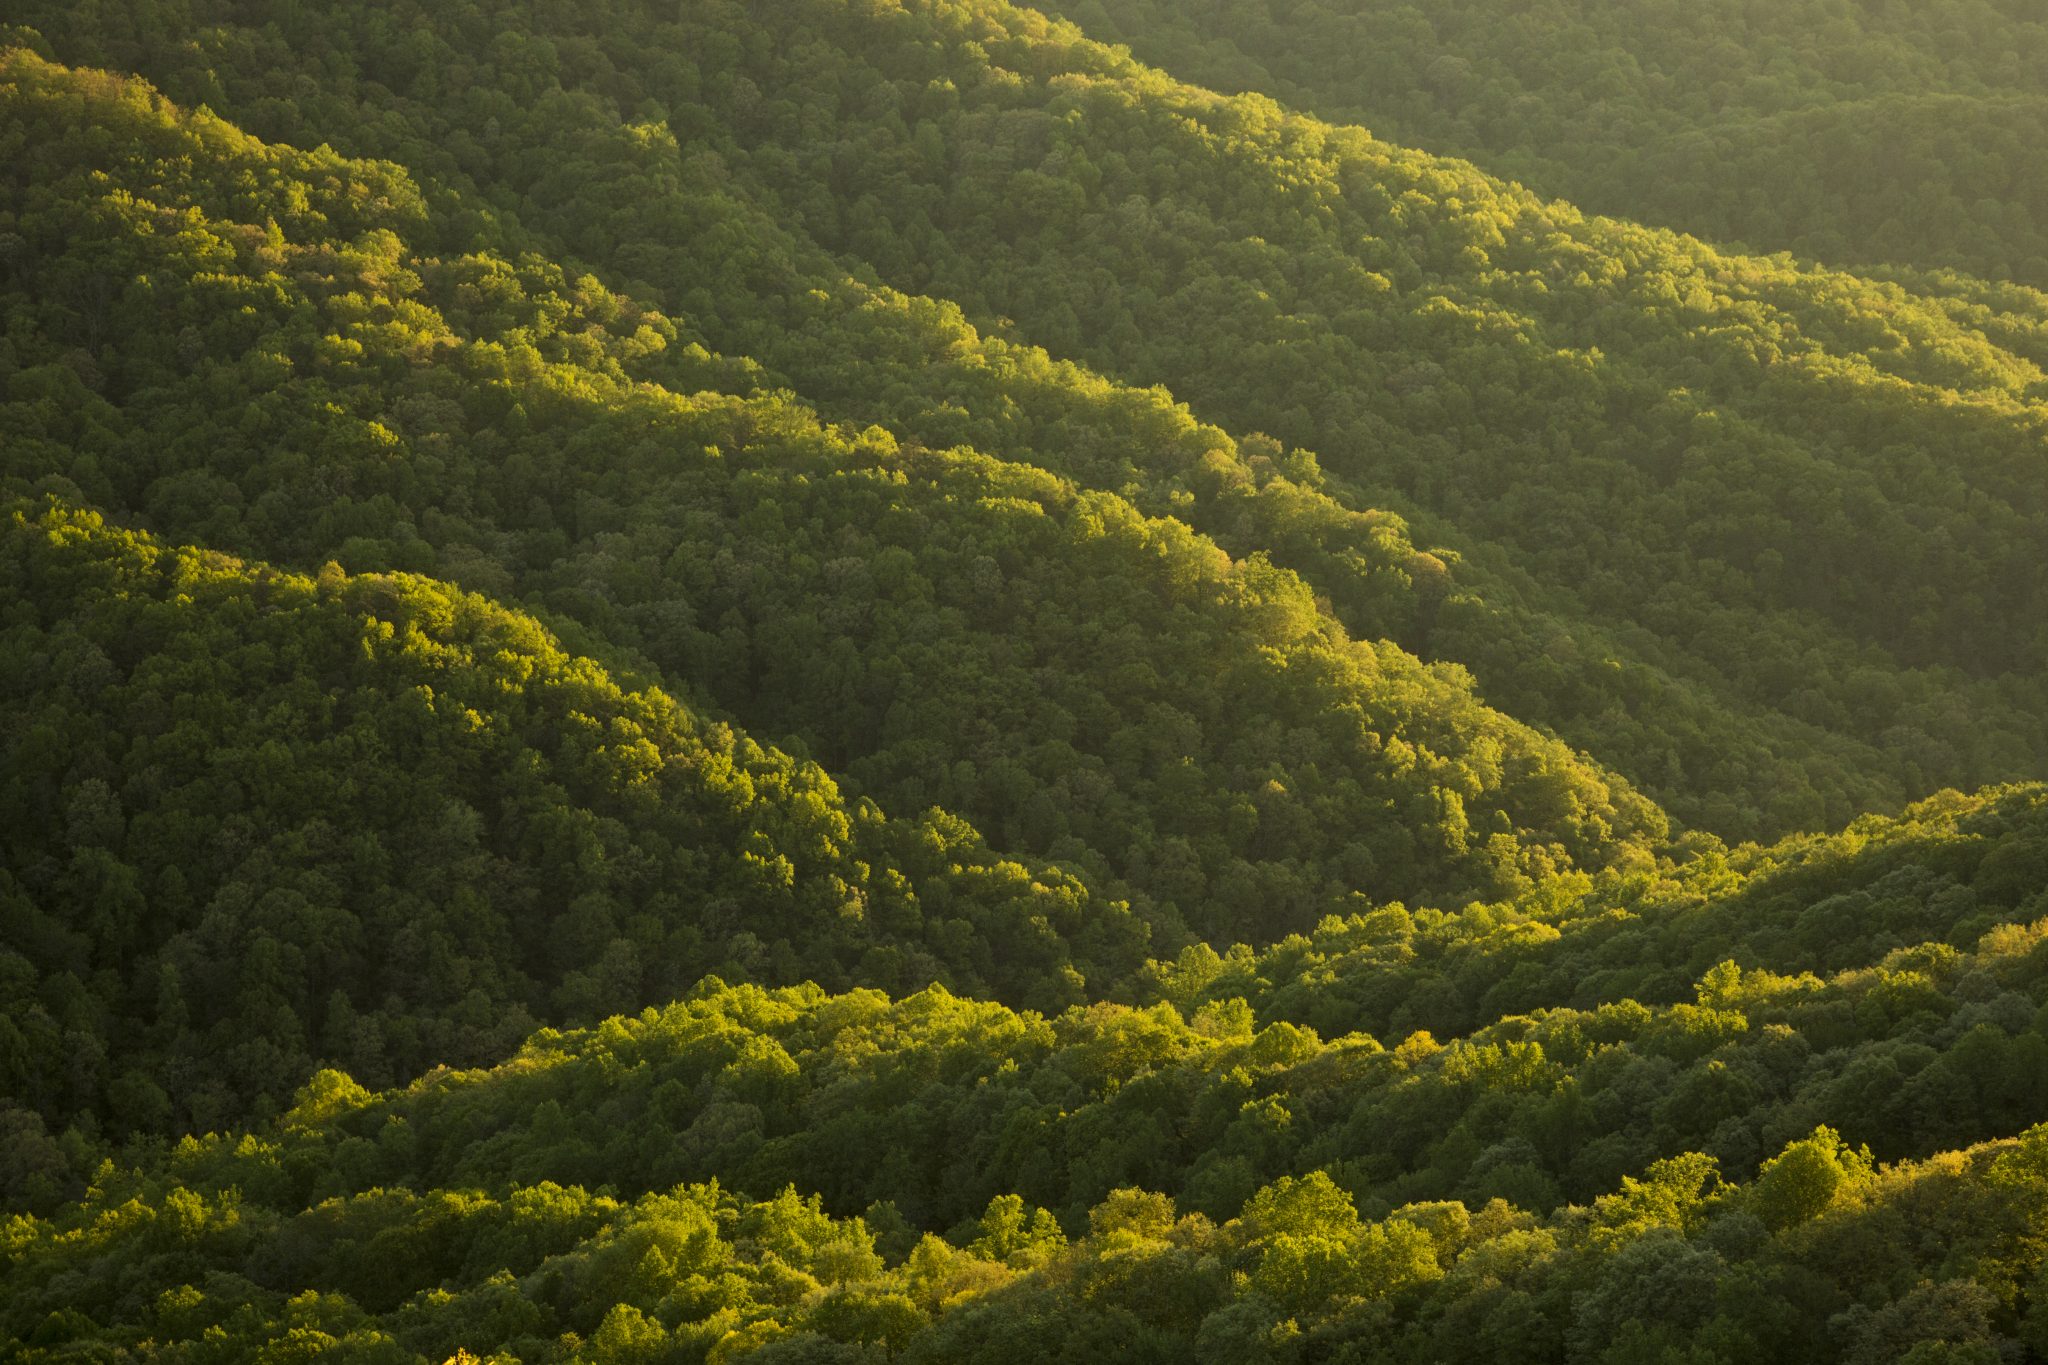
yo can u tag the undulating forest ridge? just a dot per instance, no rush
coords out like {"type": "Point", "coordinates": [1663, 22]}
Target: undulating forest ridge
{"type": "Point", "coordinates": [1763, 539]}
{"type": "Point", "coordinates": [1905, 135]}
{"type": "Point", "coordinates": [851, 680]}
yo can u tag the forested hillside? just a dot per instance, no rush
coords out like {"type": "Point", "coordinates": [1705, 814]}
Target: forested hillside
{"type": "Point", "coordinates": [1761, 537]}
{"type": "Point", "coordinates": [839, 681]}
{"type": "Point", "coordinates": [1898, 135]}
{"type": "Point", "coordinates": [944, 627]}
{"type": "Point", "coordinates": [383, 822]}
{"type": "Point", "coordinates": [1118, 1182]}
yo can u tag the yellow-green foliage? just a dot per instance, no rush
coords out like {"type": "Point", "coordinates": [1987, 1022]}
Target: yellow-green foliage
{"type": "Point", "coordinates": [821, 681]}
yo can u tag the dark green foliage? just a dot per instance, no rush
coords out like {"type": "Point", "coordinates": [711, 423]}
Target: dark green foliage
{"type": "Point", "coordinates": [232, 1246]}
{"type": "Point", "coordinates": [939, 1105]}
{"type": "Point", "coordinates": [943, 628]}
{"type": "Point", "coordinates": [606, 761]}
{"type": "Point", "coordinates": [1761, 537]}
{"type": "Point", "coordinates": [256, 819]}
{"type": "Point", "coordinates": [1884, 134]}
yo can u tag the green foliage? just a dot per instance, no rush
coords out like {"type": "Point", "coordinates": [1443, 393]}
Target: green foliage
{"type": "Point", "coordinates": [383, 822]}
{"type": "Point", "coordinates": [1899, 135]}
{"type": "Point", "coordinates": [1807, 1178]}
{"type": "Point", "coordinates": [944, 628]}
{"type": "Point", "coordinates": [1759, 536]}
{"type": "Point", "coordinates": [206, 1251]}
{"type": "Point", "coordinates": [1002, 1126]}
{"type": "Point", "coordinates": [608, 762]}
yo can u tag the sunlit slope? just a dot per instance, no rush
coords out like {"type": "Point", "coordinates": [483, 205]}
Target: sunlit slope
{"type": "Point", "coordinates": [1059, 1176]}
{"type": "Point", "coordinates": [1756, 464]}
{"type": "Point", "coordinates": [323, 1233]}
{"type": "Point", "coordinates": [1903, 135]}
{"type": "Point", "coordinates": [560, 565]}
{"type": "Point", "coordinates": [937, 1103]}
{"type": "Point", "coordinates": [941, 627]}
{"type": "Point", "coordinates": [256, 819]}
{"type": "Point", "coordinates": [1764, 538]}
{"type": "Point", "coordinates": [1948, 871]}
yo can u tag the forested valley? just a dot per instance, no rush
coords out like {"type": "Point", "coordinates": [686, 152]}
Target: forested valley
{"type": "Point", "coordinates": [852, 680]}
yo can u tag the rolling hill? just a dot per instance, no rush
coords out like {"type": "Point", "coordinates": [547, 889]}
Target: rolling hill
{"type": "Point", "coordinates": [843, 681]}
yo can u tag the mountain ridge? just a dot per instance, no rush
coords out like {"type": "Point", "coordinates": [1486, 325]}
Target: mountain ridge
{"type": "Point", "coordinates": [851, 682]}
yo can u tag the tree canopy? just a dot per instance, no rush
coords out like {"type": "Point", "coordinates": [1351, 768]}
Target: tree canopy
{"type": "Point", "coordinates": [856, 682]}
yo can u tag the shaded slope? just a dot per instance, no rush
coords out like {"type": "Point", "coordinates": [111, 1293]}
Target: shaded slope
{"type": "Point", "coordinates": [943, 628]}
{"type": "Point", "coordinates": [1759, 536]}
{"type": "Point", "coordinates": [255, 820]}
{"type": "Point", "coordinates": [1922, 1038]}
{"type": "Point", "coordinates": [230, 1245]}
{"type": "Point", "coordinates": [1879, 135]}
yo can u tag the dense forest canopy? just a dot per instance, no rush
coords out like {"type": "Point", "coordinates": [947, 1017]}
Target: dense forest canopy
{"type": "Point", "coordinates": [1872, 135]}
{"type": "Point", "coordinates": [850, 681]}
{"type": "Point", "coordinates": [1760, 536]}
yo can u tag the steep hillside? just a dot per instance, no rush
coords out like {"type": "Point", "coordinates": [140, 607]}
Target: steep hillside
{"type": "Point", "coordinates": [937, 1104]}
{"type": "Point", "coordinates": [953, 632]}
{"type": "Point", "coordinates": [269, 1244]}
{"type": "Point", "coordinates": [1864, 135]}
{"type": "Point", "coordinates": [942, 627]}
{"type": "Point", "coordinates": [257, 819]}
{"type": "Point", "coordinates": [1760, 537]}
{"type": "Point", "coordinates": [851, 681]}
